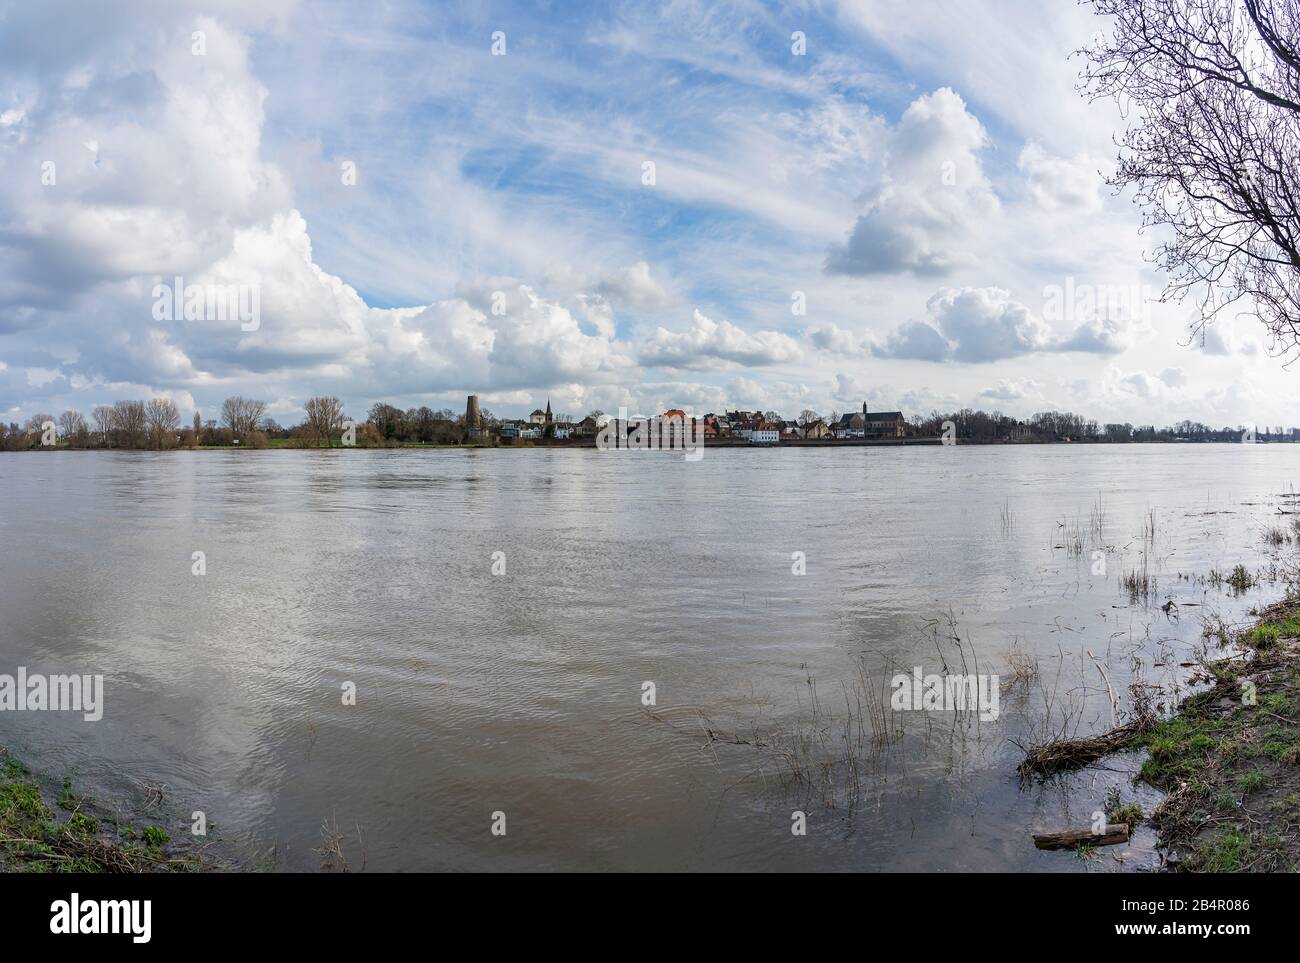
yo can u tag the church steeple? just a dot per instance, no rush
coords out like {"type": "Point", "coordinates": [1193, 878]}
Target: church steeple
{"type": "Point", "coordinates": [548, 411]}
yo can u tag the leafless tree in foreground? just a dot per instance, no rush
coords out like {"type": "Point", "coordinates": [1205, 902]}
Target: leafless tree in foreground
{"type": "Point", "coordinates": [1212, 89]}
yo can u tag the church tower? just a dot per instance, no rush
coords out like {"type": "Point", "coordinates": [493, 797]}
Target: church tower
{"type": "Point", "coordinates": [548, 411]}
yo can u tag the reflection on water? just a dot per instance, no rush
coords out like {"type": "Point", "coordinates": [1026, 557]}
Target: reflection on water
{"type": "Point", "coordinates": [521, 692]}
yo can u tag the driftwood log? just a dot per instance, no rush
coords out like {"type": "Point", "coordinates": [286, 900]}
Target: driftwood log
{"type": "Point", "coordinates": [1112, 834]}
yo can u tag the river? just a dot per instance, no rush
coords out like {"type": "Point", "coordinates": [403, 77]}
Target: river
{"type": "Point", "coordinates": [499, 613]}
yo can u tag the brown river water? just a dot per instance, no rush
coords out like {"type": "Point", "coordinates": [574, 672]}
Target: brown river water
{"type": "Point", "coordinates": [521, 692]}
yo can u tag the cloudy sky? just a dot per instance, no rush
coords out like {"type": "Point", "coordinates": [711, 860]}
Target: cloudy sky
{"type": "Point", "coordinates": [628, 204]}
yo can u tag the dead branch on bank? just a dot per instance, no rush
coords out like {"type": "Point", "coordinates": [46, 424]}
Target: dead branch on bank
{"type": "Point", "coordinates": [1065, 755]}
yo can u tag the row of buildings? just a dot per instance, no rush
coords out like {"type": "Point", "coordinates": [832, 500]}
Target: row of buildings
{"type": "Point", "coordinates": [758, 429]}
{"type": "Point", "coordinates": [755, 427]}
{"type": "Point", "coordinates": [543, 424]}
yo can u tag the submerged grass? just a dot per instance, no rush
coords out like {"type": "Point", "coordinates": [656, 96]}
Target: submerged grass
{"type": "Point", "coordinates": [836, 749]}
{"type": "Point", "coordinates": [1139, 584]}
{"type": "Point", "coordinates": [1276, 537]}
{"type": "Point", "coordinates": [1118, 811]}
{"type": "Point", "coordinates": [1239, 579]}
{"type": "Point", "coordinates": [35, 839]}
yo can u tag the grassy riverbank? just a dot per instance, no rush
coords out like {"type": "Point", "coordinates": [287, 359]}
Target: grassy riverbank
{"type": "Point", "coordinates": [1229, 758]}
{"type": "Point", "coordinates": [45, 828]}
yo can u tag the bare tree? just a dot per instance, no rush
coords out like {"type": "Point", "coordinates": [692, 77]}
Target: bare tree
{"type": "Point", "coordinates": [35, 428]}
{"type": "Point", "coordinates": [129, 423]}
{"type": "Point", "coordinates": [324, 419]}
{"type": "Point", "coordinates": [242, 415]}
{"type": "Point", "coordinates": [103, 415]}
{"type": "Point", "coordinates": [72, 426]}
{"type": "Point", "coordinates": [807, 417]}
{"type": "Point", "coordinates": [163, 420]}
{"type": "Point", "coordinates": [1213, 89]}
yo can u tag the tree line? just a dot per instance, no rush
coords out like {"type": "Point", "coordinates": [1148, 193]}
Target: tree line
{"type": "Point", "coordinates": [244, 422]}
{"type": "Point", "coordinates": [156, 424]}
{"type": "Point", "coordinates": [972, 425]}
{"type": "Point", "coordinates": [1051, 426]}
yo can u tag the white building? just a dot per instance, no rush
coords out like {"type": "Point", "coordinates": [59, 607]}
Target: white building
{"type": "Point", "coordinates": [764, 436]}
